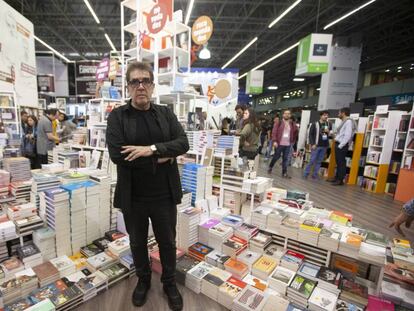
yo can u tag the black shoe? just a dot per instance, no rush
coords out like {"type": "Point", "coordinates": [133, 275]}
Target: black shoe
{"type": "Point", "coordinates": [139, 297]}
{"type": "Point", "coordinates": [175, 301]}
{"type": "Point", "coordinates": [338, 183]}
{"type": "Point", "coordinates": [286, 176]}
{"type": "Point", "coordinates": [331, 180]}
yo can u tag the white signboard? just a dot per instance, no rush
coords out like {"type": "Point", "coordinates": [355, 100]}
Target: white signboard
{"type": "Point", "coordinates": [339, 84]}
{"type": "Point", "coordinates": [254, 82]}
{"type": "Point", "coordinates": [17, 56]}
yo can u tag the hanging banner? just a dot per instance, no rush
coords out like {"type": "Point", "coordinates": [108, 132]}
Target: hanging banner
{"type": "Point", "coordinates": [113, 69]}
{"type": "Point", "coordinates": [46, 83]}
{"type": "Point", "coordinates": [102, 70]}
{"type": "Point", "coordinates": [339, 84]}
{"type": "Point", "coordinates": [157, 18]}
{"type": "Point", "coordinates": [313, 54]}
{"type": "Point", "coordinates": [254, 82]}
{"type": "Point", "coordinates": [86, 77]}
{"type": "Point", "coordinates": [202, 30]}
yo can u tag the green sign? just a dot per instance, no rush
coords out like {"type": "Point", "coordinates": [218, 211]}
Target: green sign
{"type": "Point", "coordinates": [254, 82]}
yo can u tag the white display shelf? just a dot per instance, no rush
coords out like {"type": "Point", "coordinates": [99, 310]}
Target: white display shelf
{"type": "Point", "coordinates": [168, 76]}
{"type": "Point", "coordinates": [76, 146]}
{"type": "Point", "coordinates": [146, 55]}
{"type": "Point", "coordinates": [132, 4]}
{"type": "Point", "coordinates": [131, 27]}
{"type": "Point", "coordinates": [174, 51]}
{"type": "Point", "coordinates": [175, 28]}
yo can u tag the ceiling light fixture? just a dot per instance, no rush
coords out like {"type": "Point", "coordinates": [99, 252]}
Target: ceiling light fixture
{"type": "Point", "coordinates": [271, 59]}
{"type": "Point", "coordinates": [240, 52]}
{"type": "Point", "coordinates": [348, 14]}
{"type": "Point", "coordinates": [272, 87]}
{"type": "Point", "coordinates": [52, 49]}
{"type": "Point", "coordinates": [387, 70]}
{"type": "Point", "coordinates": [399, 67]}
{"type": "Point", "coordinates": [399, 70]}
{"type": "Point", "coordinates": [190, 8]}
{"type": "Point", "coordinates": [298, 79]}
{"type": "Point", "coordinates": [277, 19]}
{"type": "Point", "coordinates": [92, 11]}
{"type": "Point", "coordinates": [286, 96]}
{"type": "Point", "coordinates": [205, 53]}
{"type": "Point", "coordinates": [110, 42]}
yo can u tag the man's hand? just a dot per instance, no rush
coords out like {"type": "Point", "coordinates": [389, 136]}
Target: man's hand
{"type": "Point", "coordinates": [399, 220]}
{"type": "Point", "coordinates": [136, 152]}
{"type": "Point", "coordinates": [275, 144]}
{"type": "Point", "coordinates": [313, 147]}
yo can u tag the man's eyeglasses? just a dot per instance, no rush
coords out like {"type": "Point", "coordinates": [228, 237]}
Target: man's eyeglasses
{"type": "Point", "coordinates": [135, 83]}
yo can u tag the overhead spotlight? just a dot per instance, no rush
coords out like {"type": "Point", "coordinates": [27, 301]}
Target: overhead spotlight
{"type": "Point", "coordinates": [205, 53]}
{"type": "Point", "coordinates": [250, 95]}
{"type": "Point", "coordinates": [298, 79]}
{"type": "Point", "coordinates": [399, 67]}
{"type": "Point", "coordinates": [399, 70]}
{"type": "Point", "coordinates": [387, 70]}
{"type": "Point", "coordinates": [272, 87]}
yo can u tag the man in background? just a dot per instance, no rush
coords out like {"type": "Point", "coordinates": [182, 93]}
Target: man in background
{"type": "Point", "coordinates": [342, 140]}
{"type": "Point", "coordinates": [319, 142]}
{"type": "Point", "coordinates": [284, 136]}
{"type": "Point", "coordinates": [45, 138]}
{"type": "Point", "coordinates": [23, 122]}
{"type": "Point", "coordinates": [238, 123]}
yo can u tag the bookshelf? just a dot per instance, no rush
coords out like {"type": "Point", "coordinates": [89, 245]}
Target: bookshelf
{"type": "Point", "coordinates": [358, 159]}
{"type": "Point", "coordinates": [98, 110]}
{"type": "Point", "coordinates": [9, 113]}
{"type": "Point", "coordinates": [384, 127]}
{"type": "Point", "coordinates": [408, 154]}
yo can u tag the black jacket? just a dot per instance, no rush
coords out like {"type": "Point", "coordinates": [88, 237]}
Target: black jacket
{"type": "Point", "coordinates": [314, 133]}
{"type": "Point", "coordinates": [119, 133]}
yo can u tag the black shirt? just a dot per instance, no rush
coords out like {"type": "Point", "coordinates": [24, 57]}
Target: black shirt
{"type": "Point", "coordinates": [150, 180]}
{"type": "Point", "coordinates": [323, 137]}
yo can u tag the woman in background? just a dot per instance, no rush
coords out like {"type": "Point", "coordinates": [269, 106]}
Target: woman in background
{"type": "Point", "coordinates": [249, 135]}
{"type": "Point", "coordinates": [66, 127]}
{"type": "Point", "coordinates": [29, 142]}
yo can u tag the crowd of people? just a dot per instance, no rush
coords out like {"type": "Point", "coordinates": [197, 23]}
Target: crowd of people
{"type": "Point", "coordinates": [38, 136]}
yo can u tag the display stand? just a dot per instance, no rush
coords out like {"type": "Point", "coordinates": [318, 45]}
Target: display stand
{"type": "Point", "coordinates": [408, 155]}
{"type": "Point", "coordinates": [10, 113]}
{"type": "Point", "coordinates": [98, 109]}
{"type": "Point", "coordinates": [385, 125]}
{"type": "Point", "coordinates": [357, 151]}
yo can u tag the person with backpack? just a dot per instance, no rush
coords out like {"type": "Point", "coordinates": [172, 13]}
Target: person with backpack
{"type": "Point", "coordinates": [318, 139]}
{"type": "Point", "coordinates": [29, 142]}
{"type": "Point", "coordinates": [343, 138]}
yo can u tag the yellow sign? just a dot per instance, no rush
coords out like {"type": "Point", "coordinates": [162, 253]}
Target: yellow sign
{"type": "Point", "coordinates": [113, 69]}
{"type": "Point", "coordinates": [202, 30]}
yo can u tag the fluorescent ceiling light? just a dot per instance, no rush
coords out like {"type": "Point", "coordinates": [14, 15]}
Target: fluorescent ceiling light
{"type": "Point", "coordinates": [273, 87]}
{"type": "Point", "coordinates": [284, 13]}
{"type": "Point", "coordinates": [286, 96]}
{"type": "Point", "coordinates": [250, 95]}
{"type": "Point", "coordinates": [110, 42]}
{"type": "Point", "coordinates": [190, 8]}
{"type": "Point", "coordinates": [52, 49]}
{"type": "Point", "coordinates": [399, 70]}
{"type": "Point", "coordinates": [239, 53]}
{"type": "Point", "coordinates": [242, 76]}
{"type": "Point", "coordinates": [92, 11]}
{"type": "Point", "coordinates": [348, 14]}
{"type": "Point", "coordinates": [298, 79]}
{"type": "Point", "coordinates": [399, 67]}
{"type": "Point", "coordinates": [387, 70]}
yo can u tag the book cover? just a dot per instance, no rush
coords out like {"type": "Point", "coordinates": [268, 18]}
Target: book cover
{"type": "Point", "coordinates": [342, 305]}
{"type": "Point", "coordinates": [210, 223]}
{"type": "Point", "coordinates": [79, 260]}
{"type": "Point", "coordinates": [45, 270]}
{"type": "Point", "coordinates": [27, 250]}
{"type": "Point", "coordinates": [114, 235]}
{"type": "Point", "coordinates": [200, 248]}
{"type": "Point", "coordinates": [354, 288]}
{"type": "Point", "coordinates": [376, 304]}
{"type": "Point", "coordinates": [308, 269]}
{"type": "Point", "coordinates": [303, 286]}
{"type": "Point", "coordinates": [201, 270]}
{"type": "Point", "coordinates": [102, 243]}
{"type": "Point", "coordinates": [90, 250]}
{"type": "Point", "coordinates": [330, 276]}
{"type": "Point", "coordinates": [323, 299]}
{"type": "Point", "coordinates": [114, 271]}
{"type": "Point", "coordinates": [255, 282]}
{"type": "Point", "coordinates": [283, 275]}
{"type": "Point", "coordinates": [236, 266]}
{"type": "Point", "coordinates": [265, 264]}
{"type": "Point", "coordinates": [19, 305]}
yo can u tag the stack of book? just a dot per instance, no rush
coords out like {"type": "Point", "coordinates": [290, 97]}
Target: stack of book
{"type": "Point", "coordinates": [219, 213]}
{"type": "Point", "coordinates": [234, 221]}
{"type": "Point", "coordinates": [212, 281]}
{"type": "Point", "coordinates": [104, 184]}
{"type": "Point", "coordinates": [78, 215]}
{"type": "Point", "coordinates": [277, 303]}
{"type": "Point", "coordinates": [93, 226]}
{"type": "Point", "coordinates": [19, 168]}
{"type": "Point", "coordinates": [10, 291]}
{"type": "Point", "coordinates": [115, 273]}
{"type": "Point", "coordinates": [275, 251]}
{"type": "Point", "coordinates": [100, 261]}
{"type": "Point", "coordinates": [187, 226]}
{"type": "Point", "coordinates": [4, 253]}
{"type": "Point", "coordinates": [90, 250]}
{"type": "Point", "coordinates": [237, 268]}
{"type": "Point", "coordinates": [92, 284]}
{"type": "Point", "coordinates": [289, 228]}
{"type": "Point", "coordinates": [27, 225]}
{"type": "Point", "coordinates": [113, 235]}
{"type": "Point", "coordinates": [329, 280]}
{"type": "Point", "coordinates": [204, 228]}
{"type": "Point", "coordinates": [30, 255]}
{"type": "Point", "coordinates": [11, 266]}
{"type": "Point", "coordinates": [372, 253]}
{"type": "Point", "coordinates": [329, 239]}
{"type": "Point", "coordinates": [21, 190]}
{"type": "Point", "coordinates": [217, 259]}
{"type": "Point", "coordinates": [78, 279]}
{"type": "Point", "coordinates": [249, 257]}
{"type": "Point", "coordinates": [79, 260]}
{"type": "Point", "coordinates": [56, 208]}
{"type": "Point", "coordinates": [250, 299]}
{"type": "Point", "coordinates": [229, 291]}
{"type": "Point", "coordinates": [275, 218]}
{"type": "Point", "coordinates": [350, 243]}
{"type": "Point", "coordinates": [300, 290]}
{"type": "Point", "coordinates": [234, 246]}
{"type": "Point", "coordinates": [354, 292]}
{"type": "Point", "coordinates": [259, 216]}
{"type": "Point", "coordinates": [7, 231]}
{"type": "Point", "coordinates": [119, 247]}
{"type": "Point", "coordinates": [259, 242]}
{"type": "Point", "coordinates": [263, 267]}
{"type": "Point", "coordinates": [292, 260]}
{"type": "Point", "coordinates": [255, 282]}
{"type": "Point", "coordinates": [128, 261]}
{"type": "Point", "coordinates": [246, 231]}
{"type": "Point", "coordinates": [46, 273]}
{"type": "Point", "coordinates": [28, 281]}
{"type": "Point", "coordinates": [114, 210]}
{"type": "Point", "coordinates": [193, 180]}
{"type": "Point", "coordinates": [42, 182]}
{"type": "Point", "coordinates": [4, 182]}
{"type": "Point", "coordinates": [64, 265]}
{"type": "Point", "coordinates": [309, 231]}
{"type": "Point", "coordinates": [195, 276]}
{"type": "Point", "coordinates": [184, 264]}
{"type": "Point", "coordinates": [156, 260]}
{"type": "Point", "coordinates": [199, 251]}
{"type": "Point", "coordinates": [322, 300]}
{"type": "Point", "coordinates": [102, 243]}
{"type": "Point", "coordinates": [21, 211]}
{"type": "Point", "coordinates": [309, 270]}
{"type": "Point", "coordinates": [280, 279]}
{"type": "Point", "coordinates": [218, 234]}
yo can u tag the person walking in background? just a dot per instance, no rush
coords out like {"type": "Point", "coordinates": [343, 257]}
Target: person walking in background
{"type": "Point", "coordinates": [269, 149]}
{"type": "Point", "coordinates": [249, 135]}
{"type": "Point", "coordinates": [342, 140]}
{"type": "Point", "coordinates": [29, 142]}
{"type": "Point", "coordinates": [66, 127]}
{"type": "Point", "coordinates": [284, 136]}
{"type": "Point", "coordinates": [264, 127]}
{"type": "Point", "coordinates": [46, 140]}
{"type": "Point", "coordinates": [238, 123]}
{"type": "Point", "coordinates": [319, 141]}
{"type": "Point", "coordinates": [23, 122]}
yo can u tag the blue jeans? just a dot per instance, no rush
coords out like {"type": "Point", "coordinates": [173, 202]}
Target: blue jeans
{"type": "Point", "coordinates": [284, 152]}
{"type": "Point", "coordinates": [269, 148]}
{"type": "Point", "coordinates": [316, 159]}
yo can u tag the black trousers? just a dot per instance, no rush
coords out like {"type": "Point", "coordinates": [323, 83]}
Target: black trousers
{"type": "Point", "coordinates": [42, 158]}
{"type": "Point", "coordinates": [340, 158]}
{"type": "Point", "coordinates": [163, 218]}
